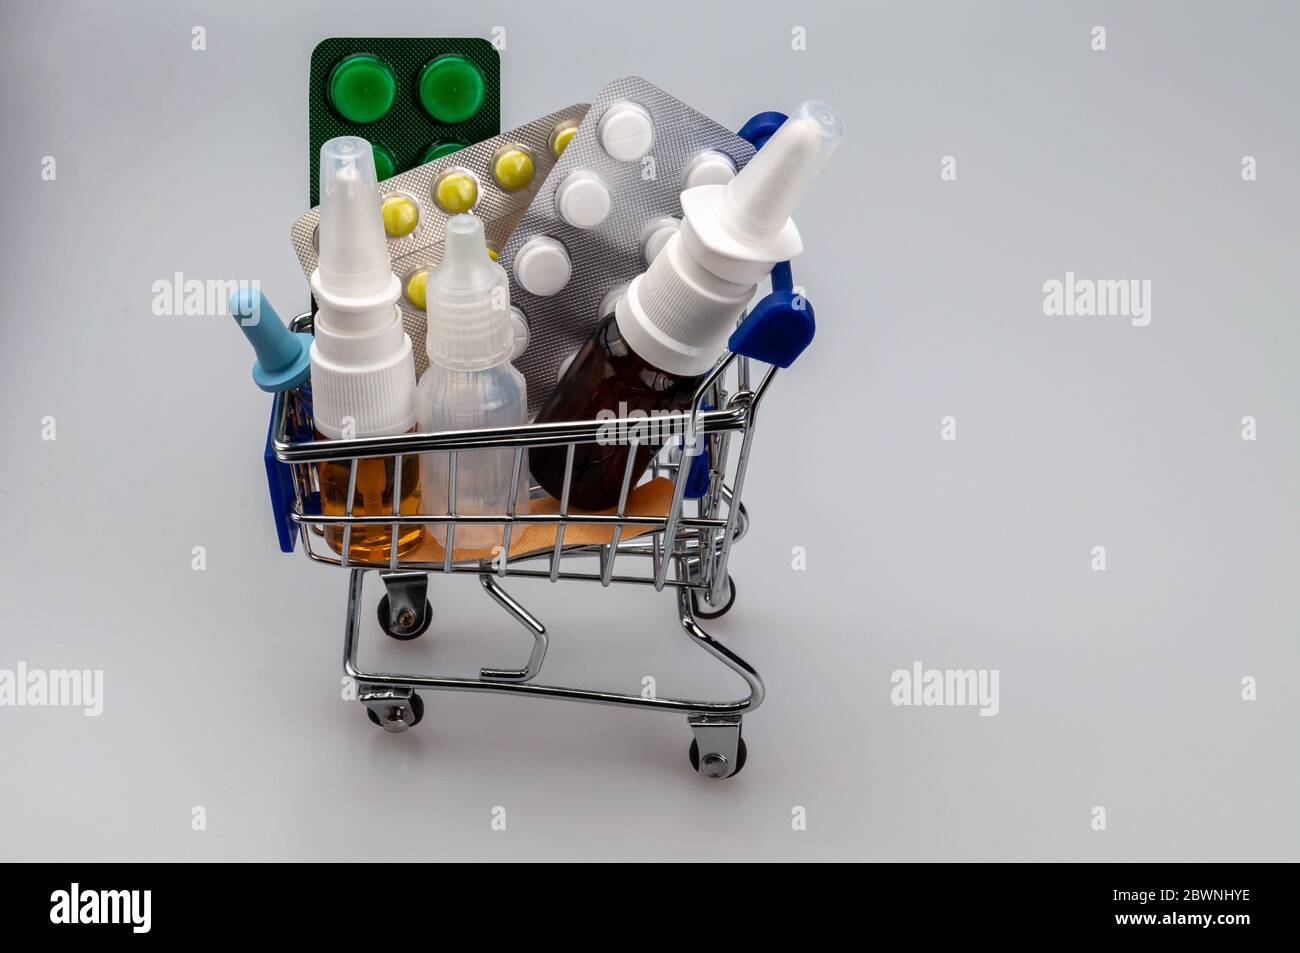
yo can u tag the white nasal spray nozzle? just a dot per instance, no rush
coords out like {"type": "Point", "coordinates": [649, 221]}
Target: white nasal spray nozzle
{"type": "Point", "coordinates": [467, 298]}
{"type": "Point", "coordinates": [362, 375]}
{"type": "Point", "coordinates": [679, 313]}
{"type": "Point", "coordinates": [757, 204]}
{"type": "Point", "coordinates": [353, 248]}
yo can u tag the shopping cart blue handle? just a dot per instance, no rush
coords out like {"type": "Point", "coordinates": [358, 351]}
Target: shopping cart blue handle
{"type": "Point", "coordinates": [781, 326]}
{"type": "Point", "coordinates": [279, 481]}
{"type": "Point", "coordinates": [759, 129]}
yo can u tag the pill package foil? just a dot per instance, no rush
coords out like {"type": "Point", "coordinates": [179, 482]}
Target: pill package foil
{"type": "Point", "coordinates": [499, 208]}
{"type": "Point", "coordinates": [607, 256]}
{"type": "Point", "coordinates": [407, 129]}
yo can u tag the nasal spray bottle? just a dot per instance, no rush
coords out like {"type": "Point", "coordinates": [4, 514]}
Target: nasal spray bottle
{"type": "Point", "coordinates": [671, 326]}
{"type": "Point", "coordinates": [470, 384]}
{"type": "Point", "coordinates": [362, 373]}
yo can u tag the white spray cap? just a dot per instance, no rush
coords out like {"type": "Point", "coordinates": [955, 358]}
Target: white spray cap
{"type": "Point", "coordinates": [354, 260]}
{"type": "Point", "coordinates": [739, 230]}
{"type": "Point", "coordinates": [362, 375]}
{"type": "Point", "coordinates": [679, 313]}
{"type": "Point", "coordinates": [467, 298]}
{"type": "Point", "coordinates": [760, 200]}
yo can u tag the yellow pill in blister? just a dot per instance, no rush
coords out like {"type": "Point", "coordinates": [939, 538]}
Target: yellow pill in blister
{"type": "Point", "coordinates": [401, 215]}
{"type": "Point", "coordinates": [493, 251]}
{"type": "Point", "coordinates": [561, 138]}
{"type": "Point", "coordinates": [513, 169]}
{"type": "Point", "coordinates": [415, 287]}
{"type": "Point", "coordinates": [455, 192]}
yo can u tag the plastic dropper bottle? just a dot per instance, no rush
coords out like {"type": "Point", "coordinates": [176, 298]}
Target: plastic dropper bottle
{"type": "Point", "coordinates": [362, 372]}
{"type": "Point", "coordinates": [470, 384]}
{"type": "Point", "coordinates": [672, 325]}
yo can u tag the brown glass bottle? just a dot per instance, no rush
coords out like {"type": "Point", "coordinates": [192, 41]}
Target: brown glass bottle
{"type": "Point", "coordinates": [606, 376]}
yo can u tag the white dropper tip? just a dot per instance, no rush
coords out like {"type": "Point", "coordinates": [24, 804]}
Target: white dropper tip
{"type": "Point", "coordinates": [465, 265]}
{"type": "Point", "coordinates": [467, 299]}
{"type": "Point", "coordinates": [759, 201]}
{"type": "Point", "coordinates": [354, 258]}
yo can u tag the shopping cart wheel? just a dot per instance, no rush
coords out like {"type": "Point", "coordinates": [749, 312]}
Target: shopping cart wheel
{"type": "Point", "coordinates": [712, 768]}
{"type": "Point", "coordinates": [409, 624]}
{"type": "Point", "coordinates": [714, 613]}
{"type": "Point", "coordinates": [400, 717]}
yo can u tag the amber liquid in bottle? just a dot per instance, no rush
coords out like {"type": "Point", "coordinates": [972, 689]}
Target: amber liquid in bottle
{"type": "Point", "coordinates": [606, 375]}
{"type": "Point", "coordinates": [376, 485]}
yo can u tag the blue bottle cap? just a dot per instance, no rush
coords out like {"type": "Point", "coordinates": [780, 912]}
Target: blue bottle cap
{"type": "Point", "coordinates": [283, 358]}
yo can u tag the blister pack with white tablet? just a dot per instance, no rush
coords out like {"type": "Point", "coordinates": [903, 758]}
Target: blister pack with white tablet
{"type": "Point", "coordinates": [495, 179]}
{"type": "Point", "coordinates": [606, 209]}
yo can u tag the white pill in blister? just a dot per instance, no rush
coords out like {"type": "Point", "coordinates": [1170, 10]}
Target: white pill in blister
{"type": "Point", "coordinates": [626, 131]}
{"type": "Point", "coordinates": [611, 299]}
{"type": "Point", "coordinates": [582, 199]}
{"type": "Point", "coordinates": [519, 324]}
{"type": "Point", "coordinates": [542, 266]}
{"type": "Point", "coordinates": [656, 234]}
{"type": "Point", "coordinates": [708, 168]}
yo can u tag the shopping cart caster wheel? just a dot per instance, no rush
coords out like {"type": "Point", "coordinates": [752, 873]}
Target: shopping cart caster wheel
{"type": "Point", "coordinates": [715, 766]}
{"type": "Point", "coordinates": [408, 626]}
{"type": "Point", "coordinates": [701, 613]}
{"type": "Point", "coordinates": [399, 717]}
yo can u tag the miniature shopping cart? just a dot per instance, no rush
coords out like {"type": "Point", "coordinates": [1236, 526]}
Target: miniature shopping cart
{"type": "Point", "coordinates": [675, 531]}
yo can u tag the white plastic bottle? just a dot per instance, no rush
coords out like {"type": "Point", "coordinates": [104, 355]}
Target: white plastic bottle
{"type": "Point", "coordinates": [469, 384]}
{"type": "Point", "coordinates": [362, 372]}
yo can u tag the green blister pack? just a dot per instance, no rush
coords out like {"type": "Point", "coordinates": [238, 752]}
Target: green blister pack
{"type": "Point", "coordinates": [415, 99]}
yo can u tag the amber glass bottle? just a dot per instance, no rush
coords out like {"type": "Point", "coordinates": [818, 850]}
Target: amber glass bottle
{"type": "Point", "coordinates": [606, 375]}
{"type": "Point", "coordinates": [376, 485]}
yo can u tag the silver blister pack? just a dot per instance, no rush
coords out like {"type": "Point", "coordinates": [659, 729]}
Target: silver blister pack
{"type": "Point", "coordinates": [612, 198]}
{"type": "Point", "coordinates": [495, 179]}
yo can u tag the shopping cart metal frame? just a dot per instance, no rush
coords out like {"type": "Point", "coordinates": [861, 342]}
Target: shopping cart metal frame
{"type": "Point", "coordinates": [687, 549]}
{"type": "Point", "coordinates": [681, 550]}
